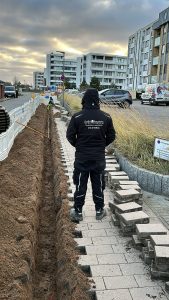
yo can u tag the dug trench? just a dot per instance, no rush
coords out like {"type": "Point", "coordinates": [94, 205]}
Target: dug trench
{"type": "Point", "coordinates": [38, 258]}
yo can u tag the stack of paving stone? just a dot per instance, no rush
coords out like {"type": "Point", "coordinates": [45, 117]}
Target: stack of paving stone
{"type": "Point", "coordinates": [158, 251]}
{"type": "Point", "coordinates": [64, 115]}
{"type": "Point", "coordinates": [67, 166]}
{"type": "Point", "coordinates": [128, 221]}
{"type": "Point", "coordinates": [128, 195]}
{"type": "Point", "coordinates": [144, 237]}
{"type": "Point", "coordinates": [119, 209]}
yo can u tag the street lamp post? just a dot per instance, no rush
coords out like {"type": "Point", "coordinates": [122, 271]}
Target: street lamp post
{"type": "Point", "coordinates": [63, 75]}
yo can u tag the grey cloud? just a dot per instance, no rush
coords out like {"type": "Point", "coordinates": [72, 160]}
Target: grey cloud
{"type": "Point", "coordinates": [33, 24]}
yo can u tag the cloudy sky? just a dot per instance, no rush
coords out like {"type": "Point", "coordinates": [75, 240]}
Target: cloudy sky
{"type": "Point", "coordinates": [31, 28]}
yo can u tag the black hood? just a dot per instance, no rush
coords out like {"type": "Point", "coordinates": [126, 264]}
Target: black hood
{"type": "Point", "coordinates": [90, 99]}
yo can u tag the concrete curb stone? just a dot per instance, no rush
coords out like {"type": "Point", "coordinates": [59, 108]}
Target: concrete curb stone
{"type": "Point", "coordinates": [148, 180]}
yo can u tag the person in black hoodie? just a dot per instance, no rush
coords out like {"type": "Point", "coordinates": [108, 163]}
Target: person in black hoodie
{"type": "Point", "coordinates": [89, 131]}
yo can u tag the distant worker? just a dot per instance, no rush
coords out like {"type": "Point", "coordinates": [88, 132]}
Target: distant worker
{"type": "Point", "coordinates": [51, 103]}
{"type": "Point", "coordinates": [89, 131]}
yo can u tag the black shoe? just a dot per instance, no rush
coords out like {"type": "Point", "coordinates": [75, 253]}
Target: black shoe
{"type": "Point", "coordinates": [100, 213]}
{"type": "Point", "coordinates": [76, 215]}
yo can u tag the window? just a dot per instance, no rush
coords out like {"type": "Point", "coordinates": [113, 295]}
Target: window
{"type": "Point", "coordinates": [145, 55]}
{"type": "Point", "coordinates": [167, 47]}
{"type": "Point", "coordinates": [107, 73]}
{"type": "Point", "coordinates": [99, 57]}
{"type": "Point", "coordinates": [108, 58]}
{"type": "Point", "coordinates": [97, 65]}
{"type": "Point", "coordinates": [145, 67]}
{"type": "Point", "coordinates": [165, 15]}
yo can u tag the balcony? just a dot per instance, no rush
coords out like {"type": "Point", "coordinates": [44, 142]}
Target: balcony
{"type": "Point", "coordinates": [155, 60]}
{"type": "Point", "coordinates": [157, 42]}
{"type": "Point", "coordinates": [153, 79]}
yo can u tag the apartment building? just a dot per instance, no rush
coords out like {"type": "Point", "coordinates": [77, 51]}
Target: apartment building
{"type": "Point", "coordinates": [109, 69]}
{"type": "Point", "coordinates": [140, 58]}
{"type": "Point", "coordinates": [38, 79]}
{"type": "Point", "coordinates": [160, 51]}
{"type": "Point", "coordinates": [59, 67]}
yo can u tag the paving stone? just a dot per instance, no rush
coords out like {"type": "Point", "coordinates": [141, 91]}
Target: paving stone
{"type": "Point", "coordinates": [106, 270]}
{"type": "Point", "coordinates": [162, 258]}
{"type": "Point", "coordinates": [129, 187]}
{"type": "Point", "coordinates": [111, 160]}
{"type": "Point", "coordinates": [145, 230]}
{"type": "Point", "coordinates": [100, 225]}
{"type": "Point", "coordinates": [127, 194]}
{"type": "Point", "coordinates": [104, 240]}
{"type": "Point", "coordinates": [87, 260]}
{"type": "Point", "coordinates": [126, 207]}
{"type": "Point", "coordinates": [97, 283]}
{"type": "Point", "coordinates": [110, 167]}
{"type": "Point", "coordinates": [117, 173]}
{"type": "Point", "coordinates": [123, 240]}
{"type": "Point", "coordinates": [120, 282]}
{"type": "Point", "coordinates": [116, 179]}
{"type": "Point", "coordinates": [89, 220]}
{"type": "Point", "coordinates": [103, 249]}
{"type": "Point", "coordinates": [158, 274]}
{"type": "Point", "coordinates": [137, 243]}
{"type": "Point", "coordinates": [119, 294]}
{"type": "Point", "coordinates": [112, 231]}
{"type": "Point", "coordinates": [128, 182]}
{"type": "Point", "coordinates": [82, 226]}
{"type": "Point", "coordinates": [122, 248]}
{"type": "Point", "coordinates": [135, 257]}
{"type": "Point", "coordinates": [159, 240]}
{"type": "Point", "coordinates": [94, 233]}
{"type": "Point", "coordinates": [134, 269]}
{"type": "Point", "coordinates": [134, 217]}
{"type": "Point", "coordinates": [145, 280]}
{"type": "Point", "coordinates": [84, 241]}
{"type": "Point", "coordinates": [147, 293]}
{"type": "Point", "coordinates": [111, 259]}
{"type": "Point", "coordinates": [115, 220]}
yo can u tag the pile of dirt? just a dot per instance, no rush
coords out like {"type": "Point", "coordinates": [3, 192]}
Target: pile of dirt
{"type": "Point", "coordinates": [33, 199]}
{"type": "Point", "coordinates": [20, 186]}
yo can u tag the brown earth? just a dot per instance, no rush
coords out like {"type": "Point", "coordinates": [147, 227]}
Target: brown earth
{"type": "Point", "coordinates": [38, 259]}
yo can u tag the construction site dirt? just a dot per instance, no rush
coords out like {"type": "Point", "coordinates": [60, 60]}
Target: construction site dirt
{"type": "Point", "coordinates": [38, 257]}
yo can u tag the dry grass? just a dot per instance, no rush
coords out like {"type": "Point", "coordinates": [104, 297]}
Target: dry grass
{"type": "Point", "coordinates": [135, 136]}
{"type": "Point", "coordinates": [74, 101]}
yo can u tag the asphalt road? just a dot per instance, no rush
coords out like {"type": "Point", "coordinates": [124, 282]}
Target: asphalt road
{"type": "Point", "coordinates": [157, 115]}
{"type": "Point", "coordinates": [12, 103]}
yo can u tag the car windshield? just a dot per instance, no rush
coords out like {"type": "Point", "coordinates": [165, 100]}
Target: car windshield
{"type": "Point", "coordinates": [9, 88]}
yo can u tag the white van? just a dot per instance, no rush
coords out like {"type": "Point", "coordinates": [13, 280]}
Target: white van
{"type": "Point", "coordinates": [156, 93]}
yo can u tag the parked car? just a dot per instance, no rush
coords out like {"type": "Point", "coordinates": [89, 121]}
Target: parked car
{"type": "Point", "coordinates": [155, 94]}
{"type": "Point", "coordinates": [114, 96]}
{"type": "Point", "coordinates": [10, 91]}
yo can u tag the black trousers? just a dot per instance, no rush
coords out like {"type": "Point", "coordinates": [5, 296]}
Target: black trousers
{"type": "Point", "coordinates": [82, 171]}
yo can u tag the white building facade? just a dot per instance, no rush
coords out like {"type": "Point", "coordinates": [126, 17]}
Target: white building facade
{"type": "Point", "coordinates": [109, 69]}
{"type": "Point", "coordinates": [140, 58]}
{"type": "Point", "coordinates": [38, 79]}
{"type": "Point", "coordinates": [58, 67]}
